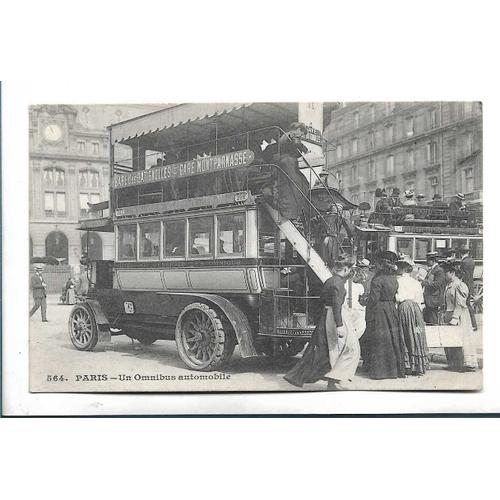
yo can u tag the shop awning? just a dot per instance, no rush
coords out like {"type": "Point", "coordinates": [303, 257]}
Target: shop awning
{"type": "Point", "coordinates": [101, 225]}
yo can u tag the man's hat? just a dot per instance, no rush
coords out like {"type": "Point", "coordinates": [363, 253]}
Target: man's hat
{"type": "Point", "coordinates": [409, 193]}
{"type": "Point", "coordinates": [363, 263]}
{"type": "Point", "coordinates": [420, 196]}
{"type": "Point", "coordinates": [395, 192]}
{"type": "Point", "coordinates": [431, 255]}
{"type": "Point", "coordinates": [464, 249]}
{"type": "Point", "coordinates": [378, 193]}
{"type": "Point", "coordinates": [437, 196]}
{"type": "Point", "coordinates": [39, 267]}
{"type": "Point", "coordinates": [460, 196]}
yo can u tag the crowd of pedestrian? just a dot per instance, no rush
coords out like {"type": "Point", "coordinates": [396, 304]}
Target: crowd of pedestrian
{"type": "Point", "coordinates": [397, 306]}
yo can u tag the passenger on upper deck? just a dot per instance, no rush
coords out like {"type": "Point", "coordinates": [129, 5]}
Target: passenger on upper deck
{"type": "Point", "coordinates": [394, 200]}
{"type": "Point", "coordinates": [458, 202]}
{"type": "Point", "coordinates": [437, 201]}
{"type": "Point", "coordinates": [420, 199]}
{"type": "Point", "coordinates": [292, 185]}
{"type": "Point", "coordinates": [382, 204]}
{"type": "Point", "coordinates": [409, 199]}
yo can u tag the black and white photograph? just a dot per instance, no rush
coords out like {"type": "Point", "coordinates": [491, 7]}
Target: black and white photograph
{"type": "Point", "coordinates": [256, 246]}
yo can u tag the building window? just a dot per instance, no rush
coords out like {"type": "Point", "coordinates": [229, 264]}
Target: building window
{"type": "Point", "coordinates": [339, 152]}
{"type": "Point", "coordinates": [95, 148]}
{"type": "Point", "coordinates": [338, 176]}
{"type": "Point", "coordinates": [149, 246]}
{"type": "Point", "coordinates": [354, 175]}
{"type": "Point", "coordinates": [434, 186]}
{"type": "Point", "coordinates": [468, 180]}
{"type": "Point", "coordinates": [355, 198]}
{"type": "Point", "coordinates": [231, 235]}
{"type": "Point", "coordinates": [389, 133]}
{"type": "Point", "coordinates": [371, 139]}
{"type": "Point", "coordinates": [371, 170]}
{"type": "Point", "coordinates": [432, 118]}
{"type": "Point", "coordinates": [354, 146]}
{"type": "Point", "coordinates": [389, 107]}
{"type": "Point", "coordinates": [55, 204]}
{"type": "Point", "coordinates": [356, 119]}
{"type": "Point", "coordinates": [372, 112]}
{"type": "Point", "coordinates": [468, 144]}
{"type": "Point", "coordinates": [88, 179]}
{"type": "Point", "coordinates": [85, 199]}
{"type": "Point", "coordinates": [54, 177]}
{"type": "Point", "coordinates": [56, 245]}
{"type": "Point", "coordinates": [410, 159]}
{"type": "Point", "coordinates": [432, 156]}
{"type": "Point", "coordinates": [409, 127]}
{"type": "Point", "coordinates": [201, 237]}
{"type": "Point", "coordinates": [389, 166]}
{"type": "Point", "coordinates": [339, 126]}
{"type": "Point", "coordinates": [127, 242]}
{"type": "Point", "coordinates": [174, 239]}
{"type": "Point", "coordinates": [80, 146]}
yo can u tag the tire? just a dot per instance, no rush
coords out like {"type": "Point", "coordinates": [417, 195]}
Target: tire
{"type": "Point", "coordinates": [204, 340]}
{"type": "Point", "coordinates": [282, 348]}
{"type": "Point", "coordinates": [82, 327]}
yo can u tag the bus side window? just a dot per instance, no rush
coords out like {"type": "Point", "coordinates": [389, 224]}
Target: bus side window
{"type": "Point", "coordinates": [422, 248]}
{"type": "Point", "coordinates": [174, 238]}
{"type": "Point", "coordinates": [127, 242]}
{"type": "Point", "coordinates": [231, 234]}
{"type": "Point", "coordinates": [150, 240]}
{"type": "Point", "coordinates": [405, 246]}
{"type": "Point", "coordinates": [201, 237]}
{"type": "Point", "coordinates": [476, 249]}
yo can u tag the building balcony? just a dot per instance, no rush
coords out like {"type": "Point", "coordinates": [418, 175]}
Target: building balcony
{"type": "Point", "coordinates": [432, 166]}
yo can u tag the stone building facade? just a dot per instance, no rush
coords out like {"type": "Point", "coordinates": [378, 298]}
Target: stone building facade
{"type": "Point", "coordinates": [428, 147]}
{"type": "Point", "coordinates": [69, 167]}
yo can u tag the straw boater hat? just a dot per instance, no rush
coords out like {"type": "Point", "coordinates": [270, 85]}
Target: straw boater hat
{"type": "Point", "coordinates": [420, 196]}
{"type": "Point", "coordinates": [363, 263]}
{"type": "Point", "coordinates": [460, 196]}
{"type": "Point", "coordinates": [39, 266]}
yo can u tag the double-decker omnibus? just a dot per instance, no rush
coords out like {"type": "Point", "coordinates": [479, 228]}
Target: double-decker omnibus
{"type": "Point", "coordinates": [416, 230]}
{"type": "Point", "coordinates": [202, 254]}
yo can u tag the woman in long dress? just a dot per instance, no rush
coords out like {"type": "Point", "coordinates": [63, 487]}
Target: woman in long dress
{"type": "Point", "coordinates": [333, 351]}
{"type": "Point", "coordinates": [382, 339]}
{"type": "Point", "coordinates": [457, 314]}
{"type": "Point", "coordinates": [410, 298]}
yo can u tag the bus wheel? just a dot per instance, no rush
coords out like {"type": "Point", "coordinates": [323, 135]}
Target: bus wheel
{"type": "Point", "coordinates": [83, 328]}
{"type": "Point", "coordinates": [203, 342]}
{"type": "Point", "coordinates": [283, 348]}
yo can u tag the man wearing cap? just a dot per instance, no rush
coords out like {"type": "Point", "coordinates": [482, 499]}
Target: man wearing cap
{"type": "Point", "coordinates": [38, 286]}
{"type": "Point", "coordinates": [382, 204]}
{"type": "Point", "coordinates": [467, 266]}
{"type": "Point", "coordinates": [394, 200]}
{"type": "Point", "coordinates": [458, 202]}
{"type": "Point", "coordinates": [433, 285]}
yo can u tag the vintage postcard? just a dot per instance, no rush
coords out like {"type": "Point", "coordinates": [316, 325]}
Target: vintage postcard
{"type": "Point", "coordinates": [256, 247]}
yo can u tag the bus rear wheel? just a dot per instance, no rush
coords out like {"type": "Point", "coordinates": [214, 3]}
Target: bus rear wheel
{"type": "Point", "coordinates": [204, 341]}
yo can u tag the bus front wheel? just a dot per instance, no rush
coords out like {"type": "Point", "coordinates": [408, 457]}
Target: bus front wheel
{"type": "Point", "coordinates": [83, 328]}
{"type": "Point", "coordinates": [204, 340]}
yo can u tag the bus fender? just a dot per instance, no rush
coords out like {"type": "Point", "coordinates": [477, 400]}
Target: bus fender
{"type": "Point", "coordinates": [238, 321]}
{"type": "Point", "coordinates": [101, 321]}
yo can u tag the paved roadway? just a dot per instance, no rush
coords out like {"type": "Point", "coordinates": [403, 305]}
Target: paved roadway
{"type": "Point", "coordinates": [52, 353]}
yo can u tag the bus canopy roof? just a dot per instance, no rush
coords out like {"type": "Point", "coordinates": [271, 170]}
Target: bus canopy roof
{"type": "Point", "coordinates": [190, 123]}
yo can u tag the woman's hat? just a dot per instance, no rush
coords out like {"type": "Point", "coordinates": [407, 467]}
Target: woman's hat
{"type": "Point", "coordinates": [363, 263]}
{"type": "Point", "coordinates": [409, 193]}
{"type": "Point", "coordinates": [431, 255]}
{"type": "Point", "coordinates": [388, 256]}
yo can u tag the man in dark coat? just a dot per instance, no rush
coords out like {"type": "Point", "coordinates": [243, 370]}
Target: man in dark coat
{"type": "Point", "coordinates": [434, 285]}
{"type": "Point", "coordinates": [467, 266]}
{"type": "Point", "coordinates": [437, 201]}
{"type": "Point", "coordinates": [458, 202]}
{"type": "Point", "coordinates": [395, 200]}
{"type": "Point", "coordinates": [38, 287]}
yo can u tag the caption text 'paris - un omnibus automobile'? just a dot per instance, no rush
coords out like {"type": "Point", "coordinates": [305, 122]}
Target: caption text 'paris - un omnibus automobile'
{"type": "Point", "coordinates": [202, 254]}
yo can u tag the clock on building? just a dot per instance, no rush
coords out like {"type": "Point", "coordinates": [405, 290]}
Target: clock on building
{"type": "Point", "coordinates": [52, 132]}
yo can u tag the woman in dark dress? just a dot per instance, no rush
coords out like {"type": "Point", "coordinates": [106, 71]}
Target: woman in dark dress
{"type": "Point", "coordinates": [382, 338]}
{"type": "Point", "coordinates": [333, 351]}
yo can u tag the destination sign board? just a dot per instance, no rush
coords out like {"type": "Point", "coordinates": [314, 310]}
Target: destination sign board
{"type": "Point", "coordinates": [313, 136]}
{"type": "Point", "coordinates": [199, 166]}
